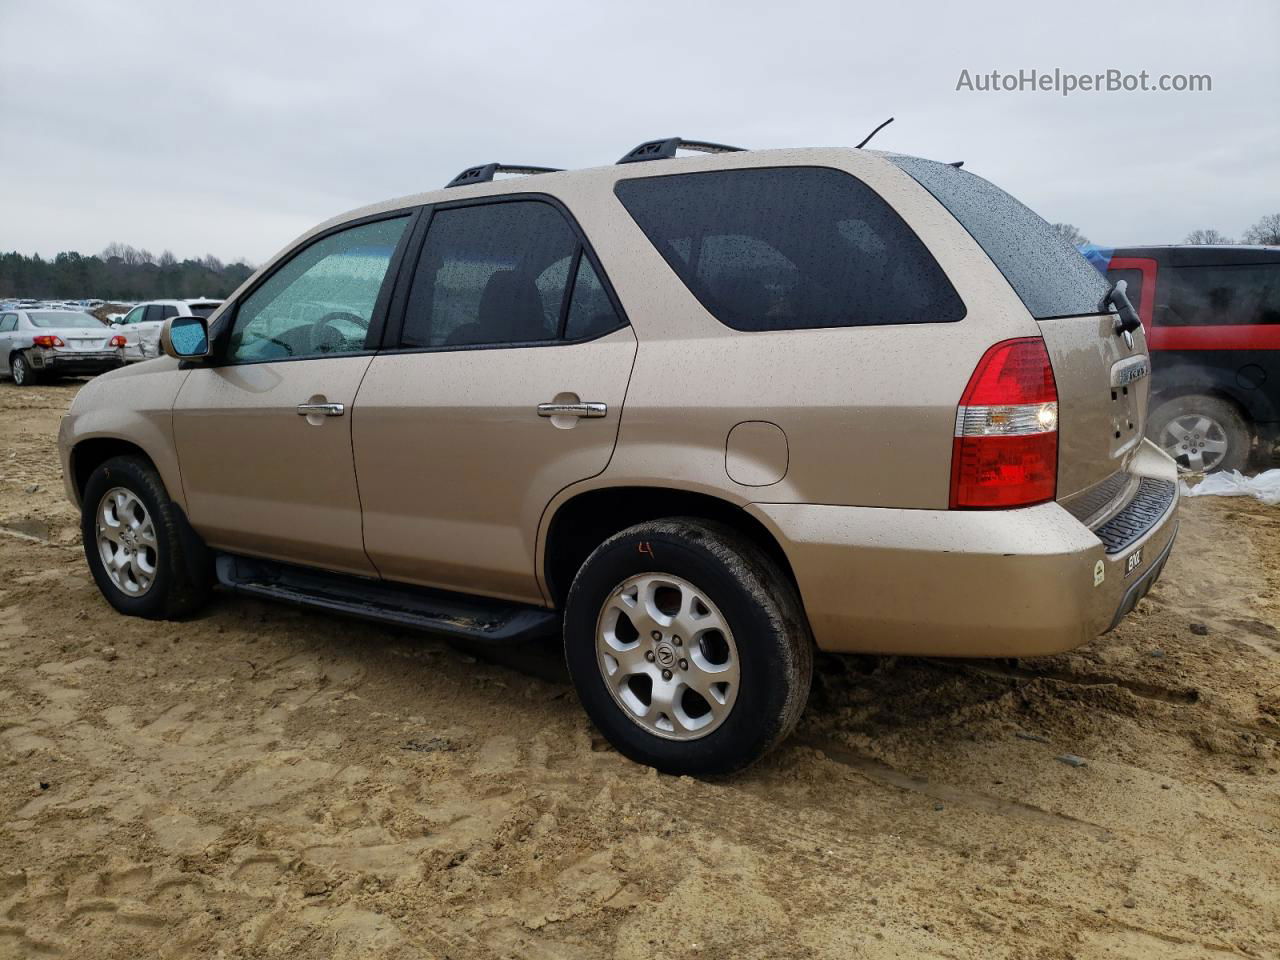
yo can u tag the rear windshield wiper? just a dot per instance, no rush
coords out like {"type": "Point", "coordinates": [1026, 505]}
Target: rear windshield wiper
{"type": "Point", "coordinates": [1118, 297]}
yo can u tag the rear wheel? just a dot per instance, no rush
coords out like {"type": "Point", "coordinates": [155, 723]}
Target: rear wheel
{"type": "Point", "coordinates": [688, 646]}
{"type": "Point", "coordinates": [144, 559]}
{"type": "Point", "coordinates": [1203, 434]}
{"type": "Point", "coordinates": [23, 375]}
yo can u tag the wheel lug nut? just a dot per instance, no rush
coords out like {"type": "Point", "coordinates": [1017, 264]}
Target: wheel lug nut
{"type": "Point", "coordinates": [666, 674]}
{"type": "Point", "coordinates": [684, 664]}
{"type": "Point", "coordinates": [677, 641]}
{"type": "Point", "coordinates": [656, 635]}
{"type": "Point", "coordinates": [649, 656]}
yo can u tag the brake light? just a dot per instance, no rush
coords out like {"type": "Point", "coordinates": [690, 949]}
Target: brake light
{"type": "Point", "coordinates": [1005, 452]}
{"type": "Point", "coordinates": [47, 340]}
{"type": "Point", "coordinates": [118, 341]}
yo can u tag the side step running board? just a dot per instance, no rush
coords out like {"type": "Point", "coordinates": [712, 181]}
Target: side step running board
{"type": "Point", "coordinates": [476, 619]}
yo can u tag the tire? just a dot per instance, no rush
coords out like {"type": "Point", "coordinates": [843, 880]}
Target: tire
{"type": "Point", "coordinates": [734, 584]}
{"type": "Point", "coordinates": [1202, 433]}
{"type": "Point", "coordinates": [181, 567]}
{"type": "Point", "coordinates": [20, 368]}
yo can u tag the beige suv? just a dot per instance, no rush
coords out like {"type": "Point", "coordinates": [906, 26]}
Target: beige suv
{"type": "Point", "coordinates": [701, 413]}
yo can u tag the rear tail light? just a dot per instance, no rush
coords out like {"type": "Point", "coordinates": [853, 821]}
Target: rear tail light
{"type": "Point", "coordinates": [1005, 452]}
{"type": "Point", "coordinates": [48, 340]}
{"type": "Point", "coordinates": [118, 341]}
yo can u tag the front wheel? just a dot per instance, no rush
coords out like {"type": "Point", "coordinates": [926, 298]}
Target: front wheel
{"type": "Point", "coordinates": [23, 375]}
{"type": "Point", "coordinates": [145, 560]}
{"type": "Point", "coordinates": [1203, 434]}
{"type": "Point", "coordinates": [688, 646]}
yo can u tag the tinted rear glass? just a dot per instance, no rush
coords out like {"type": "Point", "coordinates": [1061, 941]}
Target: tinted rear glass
{"type": "Point", "coordinates": [62, 318]}
{"type": "Point", "coordinates": [1050, 275]}
{"type": "Point", "coordinates": [1210, 296]}
{"type": "Point", "coordinates": [788, 248]}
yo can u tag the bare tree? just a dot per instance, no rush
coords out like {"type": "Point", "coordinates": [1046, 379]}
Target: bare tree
{"type": "Point", "coordinates": [210, 262]}
{"type": "Point", "coordinates": [167, 259]}
{"type": "Point", "coordinates": [1207, 236]}
{"type": "Point", "coordinates": [1070, 233]}
{"type": "Point", "coordinates": [1266, 230]}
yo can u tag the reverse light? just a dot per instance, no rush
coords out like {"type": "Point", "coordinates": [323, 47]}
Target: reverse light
{"type": "Point", "coordinates": [48, 340]}
{"type": "Point", "coordinates": [118, 341]}
{"type": "Point", "coordinates": [1005, 452]}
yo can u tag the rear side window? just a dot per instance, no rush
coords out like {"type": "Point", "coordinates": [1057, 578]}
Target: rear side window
{"type": "Point", "coordinates": [494, 273]}
{"type": "Point", "coordinates": [1051, 276]}
{"type": "Point", "coordinates": [789, 248]}
{"type": "Point", "coordinates": [1218, 295]}
{"type": "Point", "coordinates": [202, 310]}
{"type": "Point", "coordinates": [167, 311]}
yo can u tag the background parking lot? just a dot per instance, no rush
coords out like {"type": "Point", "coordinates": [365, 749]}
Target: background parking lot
{"type": "Point", "coordinates": [267, 782]}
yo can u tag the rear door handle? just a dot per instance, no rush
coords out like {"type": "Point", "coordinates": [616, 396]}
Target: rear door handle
{"type": "Point", "coordinates": [589, 410]}
{"type": "Point", "coordinates": [321, 409]}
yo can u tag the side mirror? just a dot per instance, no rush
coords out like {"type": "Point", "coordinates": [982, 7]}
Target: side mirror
{"type": "Point", "coordinates": [185, 338]}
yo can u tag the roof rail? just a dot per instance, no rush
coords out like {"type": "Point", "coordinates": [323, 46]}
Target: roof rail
{"type": "Point", "coordinates": [484, 173]}
{"type": "Point", "coordinates": [666, 149]}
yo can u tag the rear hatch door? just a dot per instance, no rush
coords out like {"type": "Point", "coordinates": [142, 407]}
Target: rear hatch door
{"type": "Point", "coordinates": [1103, 391]}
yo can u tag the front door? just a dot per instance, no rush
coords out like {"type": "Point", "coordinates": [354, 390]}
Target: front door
{"type": "Point", "coordinates": [504, 386]}
{"type": "Point", "coordinates": [264, 433]}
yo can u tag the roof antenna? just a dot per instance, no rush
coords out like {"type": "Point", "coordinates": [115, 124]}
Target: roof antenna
{"type": "Point", "coordinates": [868, 137]}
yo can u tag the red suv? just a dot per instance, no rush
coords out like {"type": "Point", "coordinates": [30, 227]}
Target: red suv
{"type": "Point", "coordinates": [1212, 316]}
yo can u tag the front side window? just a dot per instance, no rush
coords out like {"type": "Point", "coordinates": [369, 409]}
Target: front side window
{"type": "Point", "coordinates": [134, 315]}
{"type": "Point", "coordinates": [788, 248]}
{"type": "Point", "coordinates": [1247, 293]}
{"type": "Point", "coordinates": [490, 273]}
{"type": "Point", "coordinates": [321, 302]}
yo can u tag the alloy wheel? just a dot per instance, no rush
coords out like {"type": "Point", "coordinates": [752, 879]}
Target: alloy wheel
{"type": "Point", "coordinates": [1195, 441]}
{"type": "Point", "coordinates": [127, 541]}
{"type": "Point", "coordinates": [667, 655]}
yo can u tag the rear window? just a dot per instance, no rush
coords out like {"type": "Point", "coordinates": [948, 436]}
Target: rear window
{"type": "Point", "coordinates": [1216, 295]}
{"type": "Point", "coordinates": [62, 318]}
{"type": "Point", "coordinates": [787, 248]}
{"type": "Point", "coordinates": [1049, 274]}
{"type": "Point", "coordinates": [202, 310]}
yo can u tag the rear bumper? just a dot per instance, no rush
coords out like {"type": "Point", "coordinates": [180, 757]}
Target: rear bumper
{"type": "Point", "coordinates": [86, 362]}
{"type": "Point", "coordinates": [967, 583]}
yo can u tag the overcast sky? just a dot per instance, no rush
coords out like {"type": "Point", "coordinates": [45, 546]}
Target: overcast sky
{"type": "Point", "coordinates": [229, 127]}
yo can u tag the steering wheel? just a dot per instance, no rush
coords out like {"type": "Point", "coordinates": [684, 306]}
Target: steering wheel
{"type": "Point", "coordinates": [328, 320]}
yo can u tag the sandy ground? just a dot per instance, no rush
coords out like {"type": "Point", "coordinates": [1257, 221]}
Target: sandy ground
{"type": "Point", "coordinates": [263, 782]}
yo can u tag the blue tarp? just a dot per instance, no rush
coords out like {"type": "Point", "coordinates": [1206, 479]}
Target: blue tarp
{"type": "Point", "coordinates": [1100, 257]}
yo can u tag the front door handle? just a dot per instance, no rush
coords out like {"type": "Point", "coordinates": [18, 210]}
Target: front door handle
{"type": "Point", "coordinates": [313, 409]}
{"type": "Point", "coordinates": [588, 410]}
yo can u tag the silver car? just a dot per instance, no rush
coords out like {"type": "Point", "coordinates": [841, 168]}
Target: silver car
{"type": "Point", "coordinates": [54, 343]}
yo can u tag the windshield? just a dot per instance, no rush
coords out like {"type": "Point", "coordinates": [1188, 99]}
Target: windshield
{"type": "Point", "coordinates": [62, 318]}
{"type": "Point", "coordinates": [1048, 273]}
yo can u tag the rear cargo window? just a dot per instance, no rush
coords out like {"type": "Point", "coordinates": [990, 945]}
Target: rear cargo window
{"type": "Point", "coordinates": [787, 248]}
{"type": "Point", "coordinates": [1050, 275]}
{"type": "Point", "coordinates": [1213, 295]}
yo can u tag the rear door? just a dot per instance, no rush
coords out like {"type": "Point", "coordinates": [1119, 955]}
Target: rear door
{"type": "Point", "coordinates": [457, 448]}
{"type": "Point", "coordinates": [264, 434]}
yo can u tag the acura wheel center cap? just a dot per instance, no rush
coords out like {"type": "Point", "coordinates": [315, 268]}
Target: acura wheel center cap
{"type": "Point", "coordinates": [664, 654]}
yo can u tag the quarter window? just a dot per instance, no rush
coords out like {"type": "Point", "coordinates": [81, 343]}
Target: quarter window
{"type": "Point", "coordinates": [788, 248]}
{"type": "Point", "coordinates": [490, 273]}
{"type": "Point", "coordinates": [591, 312]}
{"type": "Point", "coordinates": [321, 302]}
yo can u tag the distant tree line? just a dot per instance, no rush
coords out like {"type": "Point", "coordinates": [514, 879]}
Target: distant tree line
{"type": "Point", "coordinates": [1265, 231]}
{"type": "Point", "coordinates": [120, 272]}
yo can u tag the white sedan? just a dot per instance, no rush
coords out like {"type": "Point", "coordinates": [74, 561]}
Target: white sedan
{"type": "Point", "coordinates": [141, 325]}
